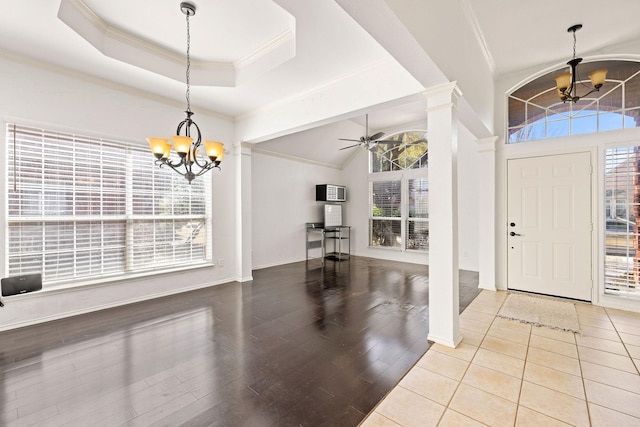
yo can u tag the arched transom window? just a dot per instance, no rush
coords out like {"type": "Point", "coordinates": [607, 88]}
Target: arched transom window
{"type": "Point", "coordinates": [410, 152]}
{"type": "Point", "coordinates": [535, 110]}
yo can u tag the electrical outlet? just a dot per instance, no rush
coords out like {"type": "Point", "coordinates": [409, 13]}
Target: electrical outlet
{"type": "Point", "coordinates": [221, 262]}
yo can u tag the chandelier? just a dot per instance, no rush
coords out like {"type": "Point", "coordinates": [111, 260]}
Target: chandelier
{"type": "Point", "coordinates": [566, 83]}
{"type": "Point", "coordinates": [191, 162]}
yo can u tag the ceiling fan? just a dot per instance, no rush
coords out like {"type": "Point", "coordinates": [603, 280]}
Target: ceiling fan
{"type": "Point", "coordinates": [368, 141]}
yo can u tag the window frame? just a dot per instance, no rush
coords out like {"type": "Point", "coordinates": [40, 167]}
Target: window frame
{"type": "Point", "coordinates": [404, 176]}
{"type": "Point", "coordinates": [593, 107]}
{"type": "Point", "coordinates": [419, 168]}
{"type": "Point", "coordinates": [618, 233]}
{"type": "Point", "coordinates": [386, 177]}
{"type": "Point", "coordinates": [128, 218]}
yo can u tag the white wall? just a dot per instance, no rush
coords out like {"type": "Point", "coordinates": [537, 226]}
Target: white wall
{"type": "Point", "coordinates": [283, 200]}
{"type": "Point", "coordinates": [34, 94]}
{"type": "Point", "coordinates": [468, 202]}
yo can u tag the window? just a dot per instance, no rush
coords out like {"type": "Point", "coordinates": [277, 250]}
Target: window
{"type": "Point", "coordinates": [536, 112]}
{"type": "Point", "coordinates": [82, 208]}
{"type": "Point", "coordinates": [418, 215]}
{"type": "Point", "coordinates": [410, 152]}
{"type": "Point", "coordinates": [622, 235]}
{"type": "Point", "coordinates": [386, 221]}
{"type": "Point", "coordinates": [399, 193]}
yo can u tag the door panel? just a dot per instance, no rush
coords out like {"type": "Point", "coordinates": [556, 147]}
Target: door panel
{"type": "Point", "coordinates": [549, 211]}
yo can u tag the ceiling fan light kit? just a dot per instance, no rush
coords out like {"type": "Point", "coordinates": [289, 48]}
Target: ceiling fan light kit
{"type": "Point", "coordinates": [184, 145]}
{"type": "Point", "coordinates": [566, 83]}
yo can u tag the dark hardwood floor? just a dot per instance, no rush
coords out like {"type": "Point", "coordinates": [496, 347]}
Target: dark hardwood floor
{"type": "Point", "coordinates": [299, 345]}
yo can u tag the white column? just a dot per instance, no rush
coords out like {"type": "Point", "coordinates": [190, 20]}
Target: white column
{"type": "Point", "coordinates": [243, 212]}
{"type": "Point", "coordinates": [442, 125]}
{"type": "Point", "coordinates": [487, 212]}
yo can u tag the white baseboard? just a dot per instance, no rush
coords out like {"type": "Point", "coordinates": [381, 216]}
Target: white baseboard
{"type": "Point", "coordinates": [7, 327]}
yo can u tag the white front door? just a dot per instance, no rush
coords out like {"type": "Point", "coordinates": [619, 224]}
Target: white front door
{"type": "Point", "coordinates": [549, 225]}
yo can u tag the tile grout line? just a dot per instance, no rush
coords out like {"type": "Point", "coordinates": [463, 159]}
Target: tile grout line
{"type": "Point", "coordinates": [622, 341]}
{"type": "Point", "coordinates": [471, 361]}
{"type": "Point", "coordinates": [526, 362]}
{"type": "Point", "coordinates": [524, 368]}
{"type": "Point", "coordinates": [459, 382]}
{"type": "Point", "coordinates": [458, 385]}
{"type": "Point", "coordinates": [582, 379]}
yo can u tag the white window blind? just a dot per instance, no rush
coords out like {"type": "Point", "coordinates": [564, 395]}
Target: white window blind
{"type": "Point", "coordinates": [622, 231]}
{"type": "Point", "coordinates": [385, 219]}
{"type": "Point", "coordinates": [82, 208]}
{"type": "Point", "coordinates": [418, 215]}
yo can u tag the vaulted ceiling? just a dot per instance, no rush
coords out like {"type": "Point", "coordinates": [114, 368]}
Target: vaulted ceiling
{"type": "Point", "coordinates": [252, 57]}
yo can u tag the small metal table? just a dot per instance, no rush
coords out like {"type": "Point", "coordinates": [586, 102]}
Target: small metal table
{"type": "Point", "coordinates": [336, 233]}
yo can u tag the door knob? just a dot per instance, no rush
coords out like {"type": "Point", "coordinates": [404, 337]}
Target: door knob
{"type": "Point", "coordinates": [514, 234]}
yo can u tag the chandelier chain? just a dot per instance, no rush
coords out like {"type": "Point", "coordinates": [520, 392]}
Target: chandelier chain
{"type": "Point", "coordinates": [574, 44]}
{"type": "Point", "coordinates": [189, 65]}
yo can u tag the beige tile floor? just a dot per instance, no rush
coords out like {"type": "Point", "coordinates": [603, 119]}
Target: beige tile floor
{"type": "Point", "coordinates": [506, 373]}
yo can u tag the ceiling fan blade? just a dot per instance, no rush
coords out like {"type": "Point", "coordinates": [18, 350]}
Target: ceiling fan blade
{"type": "Point", "coordinates": [351, 146]}
{"type": "Point", "coordinates": [345, 139]}
{"type": "Point", "coordinates": [389, 141]}
{"type": "Point", "coordinates": [376, 136]}
{"type": "Point", "coordinates": [419, 141]}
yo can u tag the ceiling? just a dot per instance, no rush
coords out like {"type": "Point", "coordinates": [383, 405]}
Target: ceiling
{"type": "Point", "coordinates": [250, 56]}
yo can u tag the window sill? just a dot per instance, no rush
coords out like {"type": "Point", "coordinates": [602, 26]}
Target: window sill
{"type": "Point", "coordinates": [387, 248]}
{"type": "Point", "coordinates": [392, 248]}
{"type": "Point", "coordinates": [107, 281]}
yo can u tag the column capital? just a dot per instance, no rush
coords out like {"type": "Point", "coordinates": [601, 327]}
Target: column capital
{"type": "Point", "coordinates": [243, 148]}
{"type": "Point", "coordinates": [487, 144]}
{"type": "Point", "coordinates": [445, 89]}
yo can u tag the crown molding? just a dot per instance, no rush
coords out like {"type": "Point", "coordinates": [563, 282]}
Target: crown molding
{"type": "Point", "coordinates": [123, 46]}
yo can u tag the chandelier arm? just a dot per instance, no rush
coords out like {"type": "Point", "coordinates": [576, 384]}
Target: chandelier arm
{"type": "Point", "coordinates": [170, 163]}
{"type": "Point", "coordinates": [172, 166]}
{"type": "Point", "coordinates": [206, 169]}
{"type": "Point", "coordinates": [196, 145]}
{"type": "Point", "coordinates": [581, 82]}
{"type": "Point", "coordinates": [210, 165]}
{"type": "Point", "coordinates": [201, 165]}
{"type": "Point", "coordinates": [187, 122]}
{"type": "Point", "coordinates": [199, 139]}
